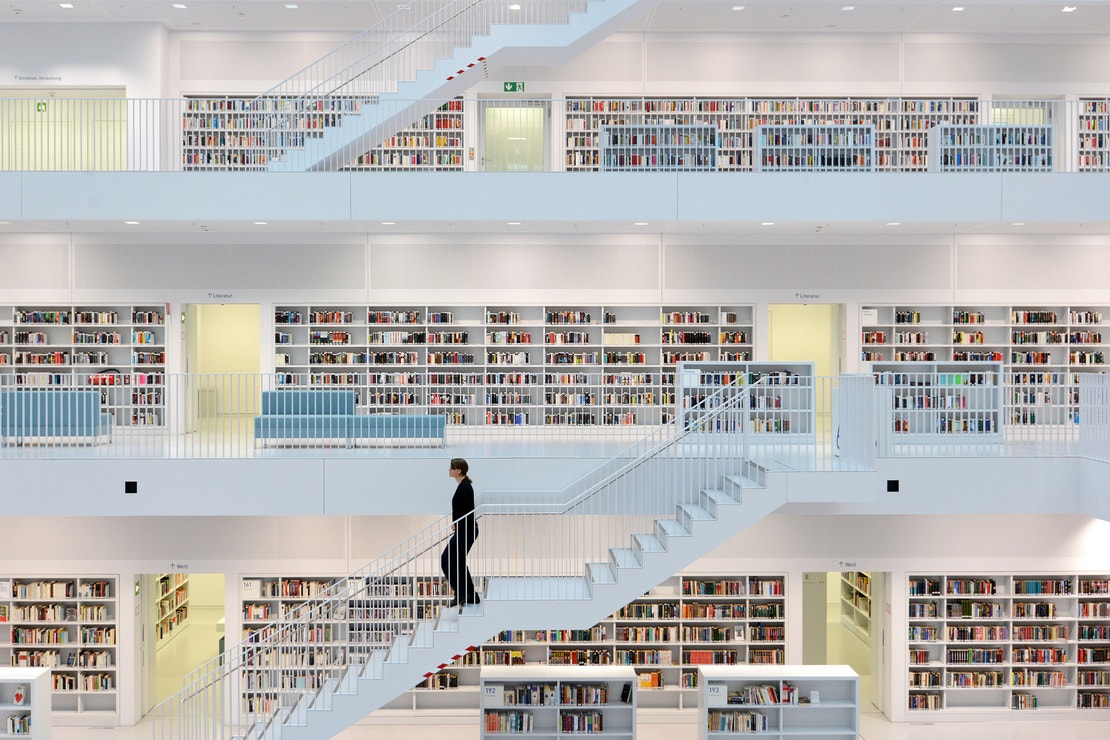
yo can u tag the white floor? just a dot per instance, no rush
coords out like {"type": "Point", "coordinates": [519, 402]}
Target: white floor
{"type": "Point", "coordinates": [198, 643]}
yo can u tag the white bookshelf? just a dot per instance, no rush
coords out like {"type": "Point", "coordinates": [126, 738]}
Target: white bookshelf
{"type": "Point", "coordinates": [782, 394]}
{"type": "Point", "coordinates": [990, 643]}
{"type": "Point", "coordinates": [120, 350]}
{"type": "Point", "coordinates": [553, 702]}
{"type": "Point", "coordinates": [1093, 124]}
{"type": "Point", "coordinates": [814, 147]}
{"type": "Point", "coordinates": [433, 143]}
{"type": "Point", "coordinates": [1045, 349]}
{"type": "Point", "coordinates": [855, 604]}
{"type": "Point", "coordinates": [514, 365]}
{"type": "Point", "coordinates": [940, 401]}
{"type": "Point", "coordinates": [66, 624]}
{"type": "Point", "coordinates": [778, 701]}
{"type": "Point", "coordinates": [25, 703]}
{"type": "Point", "coordinates": [658, 147]}
{"type": "Point", "coordinates": [171, 607]}
{"type": "Point", "coordinates": [990, 148]}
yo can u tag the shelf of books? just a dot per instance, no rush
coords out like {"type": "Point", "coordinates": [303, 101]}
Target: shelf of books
{"type": "Point", "coordinates": [815, 147]}
{"type": "Point", "coordinates": [781, 394]}
{"type": "Point", "coordinates": [120, 350]}
{"type": "Point", "coordinates": [508, 365]}
{"type": "Point", "coordinates": [68, 625]}
{"type": "Point", "coordinates": [942, 401]}
{"type": "Point", "coordinates": [171, 607]}
{"type": "Point", "coordinates": [551, 702]}
{"type": "Point", "coordinates": [244, 133]}
{"type": "Point", "coordinates": [1008, 643]}
{"type": "Point", "coordinates": [899, 141]}
{"type": "Point", "coordinates": [663, 636]}
{"type": "Point", "coordinates": [990, 148]}
{"type": "Point", "coordinates": [855, 604]}
{"type": "Point", "coordinates": [778, 701]}
{"type": "Point", "coordinates": [25, 703]}
{"type": "Point", "coordinates": [434, 143]}
{"type": "Point", "coordinates": [1044, 349]}
{"type": "Point", "coordinates": [1093, 126]}
{"type": "Point", "coordinates": [657, 148]}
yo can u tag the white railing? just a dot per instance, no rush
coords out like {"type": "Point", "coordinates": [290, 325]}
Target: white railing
{"type": "Point", "coordinates": [822, 423]}
{"type": "Point", "coordinates": [304, 656]}
{"type": "Point", "coordinates": [243, 134]}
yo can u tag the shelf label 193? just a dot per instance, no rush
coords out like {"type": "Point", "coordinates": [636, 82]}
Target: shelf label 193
{"type": "Point", "coordinates": [716, 694]}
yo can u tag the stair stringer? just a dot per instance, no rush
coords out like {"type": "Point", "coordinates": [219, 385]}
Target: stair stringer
{"type": "Point", "coordinates": [358, 695]}
{"type": "Point", "coordinates": [337, 146]}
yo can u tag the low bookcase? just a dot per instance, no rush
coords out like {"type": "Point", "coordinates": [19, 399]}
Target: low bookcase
{"type": "Point", "coordinates": [786, 701]}
{"type": "Point", "coordinates": [553, 702]}
{"type": "Point", "coordinates": [25, 703]}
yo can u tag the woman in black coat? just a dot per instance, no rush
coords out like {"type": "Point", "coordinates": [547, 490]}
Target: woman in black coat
{"type": "Point", "coordinates": [464, 532]}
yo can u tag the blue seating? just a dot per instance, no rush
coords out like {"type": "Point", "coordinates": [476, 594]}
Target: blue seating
{"type": "Point", "coordinates": [52, 413]}
{"type": "Point", "coordinates": [302, 413]}
{"type": "Point", "coordinates": [325, 413]}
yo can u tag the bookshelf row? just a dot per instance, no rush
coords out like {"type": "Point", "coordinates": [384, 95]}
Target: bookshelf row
{"type": "Point", "coordinates": [941, 401]}
{"type": "Point", "coordinates": [171, 606]}
{"type": "Point", "coordinates": [1008, 642]}
{"type": "Point", "coordinates": [119, 349]}
{"type": "Point", "coordinates": [1043, 350]}
{"type": "Point", "coordinates": [515, 365]}
{"type": "Point", "coordinates": [662, 637]}
{"type": "Point", "coordinates": [67, 625]}
{"type": "Point", "coordinates": [616, 133]}
{"type": "Point", "coordinates": [855, 603]}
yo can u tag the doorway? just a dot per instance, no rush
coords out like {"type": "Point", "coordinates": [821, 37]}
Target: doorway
{"type": "Point", "coordinates": [59, 128]}
{"type": "Point", "coordinates": [845, 622]}
{"type": "Point", "coordinates": [514, 135]}
{"type": "Point", "coordinates": [223, 359]}
{"type": "Point", "coordinates": [810, 332]}
{"type": "Point", "coordinates": [183, 627]}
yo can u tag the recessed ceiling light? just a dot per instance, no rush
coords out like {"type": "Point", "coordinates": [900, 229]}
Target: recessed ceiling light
{"type": "Point", "coordinates": [259, 223]}
{"type": "Point", "coordinates": [893, 223]}
{"type": "Point", "coordinates": [514, 223]}
{"type": "Point", "coordinates": [640, 223]}
{"type": "Point", "coordinates": [737, 7]}
{"type": "Point", "coordinates": [291, 6]}
{"type": "Point", "coordinates": [958, 9]}
{"type": "Point", "coordinates": [849, 7]}
{"type": "Point", "coordinates": [1067, 9]}
{"type": "Point", "coordinates": [132, 223]}
{"type": "Point", "coordinates": [768, 223]}
{"type": "Point", "coordinates": [514, 6]}
{"type": "Point", "coordinates": [179, 6]}
{"type": "Point", "coordinates": [66, 5]}
{"type": "Point", "coordinates": [389, 223]}
{"type": "Point", "coordinates": [1018, 223]}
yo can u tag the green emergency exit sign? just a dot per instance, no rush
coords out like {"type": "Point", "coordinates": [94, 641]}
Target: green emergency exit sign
{"type": "Point", "coordinates": [514, 87]}
{"type": "Point", "coordinates": [40, 107]}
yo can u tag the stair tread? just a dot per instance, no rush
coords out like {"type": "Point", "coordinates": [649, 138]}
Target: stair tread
{"type": "Point", "coordinates": [672, 527]}
{"type": "Point", "coordinates": [696, 512]}
{"type": "Point", "coordinates": [718, 496]}
{"type": "Point", "coordinates": [600, 573]}
{"type": "Point", "coordinates": [624, 557]}
{"type": "Point", "coordinates": [743, 481]}
{"type": "Point", "coordinates": [649, 542]}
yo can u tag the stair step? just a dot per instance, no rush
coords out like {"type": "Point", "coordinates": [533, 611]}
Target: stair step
{"type": "Point", "coordinates": [600, 573]}
{"type": "Point", "coordinates": [671, 528]}
{"type": "Point", "coordinates": [718, 496]}
{"type": "Point", "coordinates": [399, 650]}
{"type": "Point", "coordinates": [695, 512]}
{"type": "Point", "coordinates": [424, 634]}
{"type": "Point", "coordinates": [624, 557]}
{"type": "Point", "coordinates": [648, 542]}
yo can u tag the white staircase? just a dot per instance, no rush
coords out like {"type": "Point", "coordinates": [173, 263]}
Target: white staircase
{"type": "Point", "coordinates": [524, 602]}
{"type": "Point", "coordinates": [393, 93]}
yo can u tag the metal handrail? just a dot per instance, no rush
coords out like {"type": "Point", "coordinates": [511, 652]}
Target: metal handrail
{"type": "Point", "coordinates": [201, 683]}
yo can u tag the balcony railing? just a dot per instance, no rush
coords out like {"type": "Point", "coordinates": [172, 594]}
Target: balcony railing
{"type": "Point", "coordinates": [814, 423]}
{"type": "Point", "coordinates": [734, 135]}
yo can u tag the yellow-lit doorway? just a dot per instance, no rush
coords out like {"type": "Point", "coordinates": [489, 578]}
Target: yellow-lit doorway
{"type": "Point", "coordinates": [514, 136]}
{"type": "Point", "coordinates": [809, 333]}
{"type": "Point", "coordinates": [223, 355]}
{"type": "Point", "coordinates": [69, 129]}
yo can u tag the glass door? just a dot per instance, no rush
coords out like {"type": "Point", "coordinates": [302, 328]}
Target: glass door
{"type": "Point", "coordinates": [514, 135]}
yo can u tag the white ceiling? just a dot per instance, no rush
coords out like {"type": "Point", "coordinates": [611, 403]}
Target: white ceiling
{"type": "Point", "coordinates": [757, 16]}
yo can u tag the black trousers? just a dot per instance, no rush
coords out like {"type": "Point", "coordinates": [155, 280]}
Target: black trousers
{"type": "Point", "coordinates": [453, 563]}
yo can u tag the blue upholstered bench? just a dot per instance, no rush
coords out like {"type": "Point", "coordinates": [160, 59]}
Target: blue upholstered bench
{"type": "Point", "coordinates": [53, 413]}
{"type": "Point", "coordinates": [303, 413]}
{"type": "Point", "coordinates": [400, 426]}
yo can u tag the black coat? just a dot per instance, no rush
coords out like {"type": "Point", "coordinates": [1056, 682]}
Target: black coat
{"type": "Point", "coordinates": [462, 507]}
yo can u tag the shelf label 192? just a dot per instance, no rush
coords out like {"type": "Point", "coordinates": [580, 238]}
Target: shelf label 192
{"type": "Point", "coordinates": [493, 695]}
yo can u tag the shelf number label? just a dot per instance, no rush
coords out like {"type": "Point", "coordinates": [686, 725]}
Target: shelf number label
{"type": "Point", "coordinates": [716, 695]}
{"type": "Point", "coordinates": [493, 696]}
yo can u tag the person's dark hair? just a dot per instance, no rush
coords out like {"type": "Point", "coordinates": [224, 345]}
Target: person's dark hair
{"type": "Point", "coordinates": [457, 463]}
